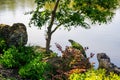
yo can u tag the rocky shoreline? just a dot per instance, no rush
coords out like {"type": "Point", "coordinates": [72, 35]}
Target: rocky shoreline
{"type": "Point", "coordinates": [16, 35]}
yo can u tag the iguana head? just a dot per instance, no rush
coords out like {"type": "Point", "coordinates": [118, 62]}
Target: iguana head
{"type": "Point", "coordinates": [70, 40]}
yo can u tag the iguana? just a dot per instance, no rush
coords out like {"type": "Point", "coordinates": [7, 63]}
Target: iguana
{"type": "Point", "coordinates": [78, 46]}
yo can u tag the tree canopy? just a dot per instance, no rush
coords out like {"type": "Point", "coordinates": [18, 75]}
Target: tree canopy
{"type": "Point", "coordinates": [71, 13]}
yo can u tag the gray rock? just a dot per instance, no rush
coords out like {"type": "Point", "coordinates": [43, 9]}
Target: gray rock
{"type": "Point", "coordinates": [4, 31]}
{"type": "Point", "coordinates": [104, 62]}
{"type": "Point", "coordinates": [14, 35]}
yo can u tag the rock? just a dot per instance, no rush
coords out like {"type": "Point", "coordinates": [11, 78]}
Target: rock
{"type": "Point", "coordinates": [104, 60]}
{"type": "Point", "coordinates": [105, 63]}
{"type": "Point", "coordinates": [4, 31]}
{"type": "Point", "coordinates": [56, 62]}
{"type": "Point", "coordinates": [14, 35]}
{"type": "Point", "coordinates": [9, 73]}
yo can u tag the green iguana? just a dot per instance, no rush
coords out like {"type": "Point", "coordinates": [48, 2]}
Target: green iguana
{"type": "Point", "coordinates": [78, 46]}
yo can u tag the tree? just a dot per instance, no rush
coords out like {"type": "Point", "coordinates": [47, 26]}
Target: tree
{"type": "Point", "coordinates": [71, 13]}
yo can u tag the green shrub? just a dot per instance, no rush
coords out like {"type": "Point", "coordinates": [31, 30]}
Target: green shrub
{"type": "Point", "coordinates": [94, 75]}
{"type": "Point", "coordinates": [25, 55]}
{"type": "Point", "coordinates": [16, 57]}
{"type": "Point", "coordinates": [2, 45]}
{"type": "Point", "coordinates": [28, 62]}
{"type": "Point", "coordinates": [36, 70]}
{"type": "Point", "coordinates": [7, 59]}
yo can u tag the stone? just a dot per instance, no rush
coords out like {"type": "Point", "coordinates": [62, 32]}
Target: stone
{"type": "Point", "coordinates": [56, 62]}
{"type": "Point", "coordinates": [14, 35]}
{"type": "Point", "coordinates": [104, 60]}
{"type": "Point", "coordinates": [105, 63]}
{"type": "Point", "coordinates": [4, 31]}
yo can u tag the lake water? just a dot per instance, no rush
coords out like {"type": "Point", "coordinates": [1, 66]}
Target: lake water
{"type": "Point", "coordinates": [104, 38]}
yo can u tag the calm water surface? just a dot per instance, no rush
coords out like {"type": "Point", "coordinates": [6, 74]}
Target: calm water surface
{"type": "Point", "coordinates": [104, 38]}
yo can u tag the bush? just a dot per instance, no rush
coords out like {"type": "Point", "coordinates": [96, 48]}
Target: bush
{"type": "Point", "coordinates": [2, 45]}
{"type": "Point", "coordinates": [28, 62]}
{"type": "Point", "coordinates": [94, 75]}
{"type": "Point", "coordinates": [16, 57]}
{"type": "Point", "coordinates": [7, 59]}
{"type": "Point", "coordinates": [36, 70]}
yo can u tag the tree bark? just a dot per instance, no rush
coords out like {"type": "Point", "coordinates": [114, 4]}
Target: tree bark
{"type": "Point", "coordinates": [49, 28]}
{"type": "Point", "coordinates": [48, 40]}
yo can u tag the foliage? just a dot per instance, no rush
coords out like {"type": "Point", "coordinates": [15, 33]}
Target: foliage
{"type": "Point", "coordinates": [71, 13]}
{"type": "Point", "coordinates": [93, 74]}
{"type": "Point", "coordinates": [16, 57]}
{"type": "Point", "coordinates": [28, 62]}
{"type": "Point", "coordinates": [72, 61]}
{"type": "Point", "coordinates": [36, 69]}
{"type": "Point", "coordinates": [37, 66]}
{"type": "Point", "coordinates": [7, 59]}
{"type": "Point", "coordinates": [74, 58]}
{"type": "Point", "coordinates": [2, 45]}
{"type": "Point", "coordinates": [53, 54]}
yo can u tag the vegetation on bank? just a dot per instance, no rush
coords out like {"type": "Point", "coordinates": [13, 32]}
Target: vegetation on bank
{"type": "Point", "coordinates": [32, 63]}
{"type": "Point", "coordinates": [29, 63]}
{"type": "Point", "coordinates": [93, 74]}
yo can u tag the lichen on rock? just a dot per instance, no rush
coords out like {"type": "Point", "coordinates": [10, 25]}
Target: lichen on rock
{"type": "Point", "coordinates": [14, 35]}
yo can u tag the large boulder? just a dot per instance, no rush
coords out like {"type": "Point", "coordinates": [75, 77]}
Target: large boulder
{"type": "Point", "coordinates": [105, 63]}
{"type": "Point", "coordinates": [14, 35]}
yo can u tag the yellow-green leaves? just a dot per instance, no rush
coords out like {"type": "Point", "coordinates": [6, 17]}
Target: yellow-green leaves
{"type": "Point", "coordinates": [71, 4]}
{"type": "Point", "coordinates": [94, 75]}
{"type": "Point", "coordinates": [97, 11]}
{"type": "Point", "coordinates": [49, 6]}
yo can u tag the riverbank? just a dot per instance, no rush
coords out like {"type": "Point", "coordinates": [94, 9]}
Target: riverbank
{"type": "Point", "coordinates": [30, 62]}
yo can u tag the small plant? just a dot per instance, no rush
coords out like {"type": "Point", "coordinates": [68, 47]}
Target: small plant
{"type": "Point", "coordinates": [36, 69]}
{"type": "Point", "coordinates": [93, 74]}
{"type": "Point", "coordinates": [74, 58]}
{"type": "Point", "coordinates": [7, 59]}
{"type": "Point", "coordinates": [16, 57]}
{"type": "Point", "coordinates": [2, 45]}
{"type": "Point", "coordinates": [53, 55]}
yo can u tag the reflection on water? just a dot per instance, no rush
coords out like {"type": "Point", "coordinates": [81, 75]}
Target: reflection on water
{"type": "Point", "coordinates": [7, 4]}
{"type": "Point", "coordinates": [12, 11]}
{"type": "Point", "coordinates": [12, 5]}
{"type": "Point", "coordinates": [104, 38]}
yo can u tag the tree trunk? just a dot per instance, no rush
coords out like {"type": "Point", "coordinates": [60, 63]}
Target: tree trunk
{"type": "Point", "coordinates": [50, 32]}
{"type": "Point", "coordinates": [48, 40]}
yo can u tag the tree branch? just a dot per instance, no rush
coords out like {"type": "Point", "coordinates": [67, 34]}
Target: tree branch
{"type": "Point", "coordinates": [56, 28]}
{"type": "Point", "coordinates": [53, 16]}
